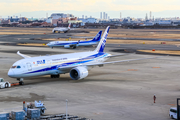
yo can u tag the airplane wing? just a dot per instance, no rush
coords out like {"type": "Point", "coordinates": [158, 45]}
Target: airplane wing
{"type": "Point", "coordinates": [112, 62]}
{"type": "Point", "coordinates": [103, 63]}
{"type": "Point", "coordinates": [22, 55]}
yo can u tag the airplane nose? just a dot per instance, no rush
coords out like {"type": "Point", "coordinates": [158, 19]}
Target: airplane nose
{"type": "Point", "coordinates": [48, 44]}
{"type": "Point", "coordinates": [10, 73]}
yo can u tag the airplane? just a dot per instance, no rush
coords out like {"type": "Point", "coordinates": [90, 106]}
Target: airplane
{"type": "Point", "coordinates": [76, 64]}
{"type": "Point", "coordinates": [62, 29]}
{"type": "Point", "coordinates": [74, 44]}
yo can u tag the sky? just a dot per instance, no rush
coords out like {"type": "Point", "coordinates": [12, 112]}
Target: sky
{"type": "Point", "coordinates": [131, 8]}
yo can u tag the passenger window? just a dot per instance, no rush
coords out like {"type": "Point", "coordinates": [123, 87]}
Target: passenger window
{"type": "Point", "coordinates": [18, 66]}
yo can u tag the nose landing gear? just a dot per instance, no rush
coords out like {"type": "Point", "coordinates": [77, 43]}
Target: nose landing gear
{"type": "Point", "coordinates": [20, 81]}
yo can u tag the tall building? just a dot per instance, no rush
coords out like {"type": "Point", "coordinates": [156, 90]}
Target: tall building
{"type": "Point", "coordinates": [83, 16]}
{"type": "Point", "coordinates": [101, 15]}
{"type": "Point", "coordinates": [150, 15]}
{"type": "Point", "coordinates": [146, 18]}
{"type": "Point", "coordinates": [120, 15]}
{"type": "Point", "coordinates": [104, 15]}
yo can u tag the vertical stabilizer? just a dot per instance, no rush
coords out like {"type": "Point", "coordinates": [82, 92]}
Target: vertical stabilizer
{"type": "Point", "coordinates": [69, 26]}
{"type": "Point", "coordinates": [97, 37]}
{"type": "Point", "coordinates": [102, 43]}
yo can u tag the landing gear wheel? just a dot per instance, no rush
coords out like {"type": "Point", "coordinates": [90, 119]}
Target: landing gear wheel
{"type": "Point", "coordinates": [52, 76]}
{"type": "Point", "coordinates": [172, 117]}
{"type": "Point", "coordinates": [74, 47]}
{"type": "Point", "coordinates": [21, 83]}
{"type": "Point", "coordinates": [6, 85]}
{"type": "Point", "coordinates": [55, 76]}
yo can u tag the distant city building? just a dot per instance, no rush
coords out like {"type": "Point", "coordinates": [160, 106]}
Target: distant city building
{"type": "Point", "coordinates": [89, 20]}
{"type": "Point", "coordinates": [104, 15]}
{"type": "Point", "coordinates": [5, 21]}
{"type": "Point", "coordinates": [58, 18]}
{"type": "Point", "coordinates": [164, 22]}
{"type": "Point", "coordinates": [14, 19]}
{"type": "Point", "coordinates": [49, 20]}
{"type": "Point", "coordinates": [23, 19]}
{"type": "Point", "coordinates": [101, 15]}
{"type": "Point", "coordinates": [60, 15]}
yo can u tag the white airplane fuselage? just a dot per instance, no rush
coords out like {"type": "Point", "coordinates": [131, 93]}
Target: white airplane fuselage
{"type": "Point", "coordinates": [77, 43]}
{"type": "Point", "coordinates": [48, 65]}
{"type": "Point", "coordinates": [74, 44]}
{"type": "Point", "coordinates": [60, 29]}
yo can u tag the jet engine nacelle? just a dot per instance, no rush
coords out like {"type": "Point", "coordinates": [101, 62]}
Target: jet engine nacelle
{"type": "Point", "coordinates": [70, 46]}
{"type": "Point", "coordinates": [67, 46]}
{"type": "Point", "coordinates": [78, 73]}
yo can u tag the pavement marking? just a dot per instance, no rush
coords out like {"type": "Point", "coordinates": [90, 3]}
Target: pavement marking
{"type": "Point", "coordinates": [171, 104]}
{"type": "Point", "coordinates": [156, 67]}
{"type": "Point", "coordinates": [172, 52]}
{"type": "Point", "coordinates": [132, 70]}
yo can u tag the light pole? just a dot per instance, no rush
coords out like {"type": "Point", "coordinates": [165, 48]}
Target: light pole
{"type": "Point", "coordinates": [66, 108]}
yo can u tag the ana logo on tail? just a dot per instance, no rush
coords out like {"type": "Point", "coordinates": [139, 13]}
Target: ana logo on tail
{"type": "Point", "coordinates": [96, 37]}
{"type": "Point", "coordinates": [102, 43]}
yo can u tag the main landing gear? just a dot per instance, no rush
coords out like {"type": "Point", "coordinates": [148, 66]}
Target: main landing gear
{"type": "Point", "coordinates": [55, 76]}
{"type": "Point", "coordinates": [20, 81]}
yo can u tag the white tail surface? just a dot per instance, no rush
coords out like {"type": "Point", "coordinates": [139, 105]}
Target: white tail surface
{"type": "Point", "coordinates": [102, 43]}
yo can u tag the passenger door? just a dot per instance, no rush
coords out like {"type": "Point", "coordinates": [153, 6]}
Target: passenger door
{"type": "Point", "coordinates": [49, 63]}
{"type": "Point", "coordinates": [29, 66]}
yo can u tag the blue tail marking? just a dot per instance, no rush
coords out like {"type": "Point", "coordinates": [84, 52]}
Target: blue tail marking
{"type": "Point", "coordinates": [102, 43]}
{"type": "Point", "coordinates": [97, 37]}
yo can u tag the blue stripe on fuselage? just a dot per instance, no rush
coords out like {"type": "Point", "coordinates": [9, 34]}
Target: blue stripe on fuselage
{"type": "Point", "coordinates": [76, 62]}
{"type": "Point", "coordinates": [75, 43]}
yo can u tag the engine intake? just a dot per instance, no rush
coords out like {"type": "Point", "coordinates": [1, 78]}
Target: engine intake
{"type": "Point", "coordinates": [70, 46]}
{"type": "Point", "coordinates": [78, 73]}
{"type": "Point", "coordinates": [67, 46]}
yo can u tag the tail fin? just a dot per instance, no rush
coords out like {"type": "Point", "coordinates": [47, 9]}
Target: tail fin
{"type": "Point", "coordinates": [69, 26]}
{"type": "Point", "coordinates": [97, 37]}
{"type": "Point", "coordinates": [101, 45]}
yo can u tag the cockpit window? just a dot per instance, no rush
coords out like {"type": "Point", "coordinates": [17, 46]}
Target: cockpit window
{"type": "Point", "coordinates": [13, 67]}
{"type": "Point", "coordinates": [18, 66]}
